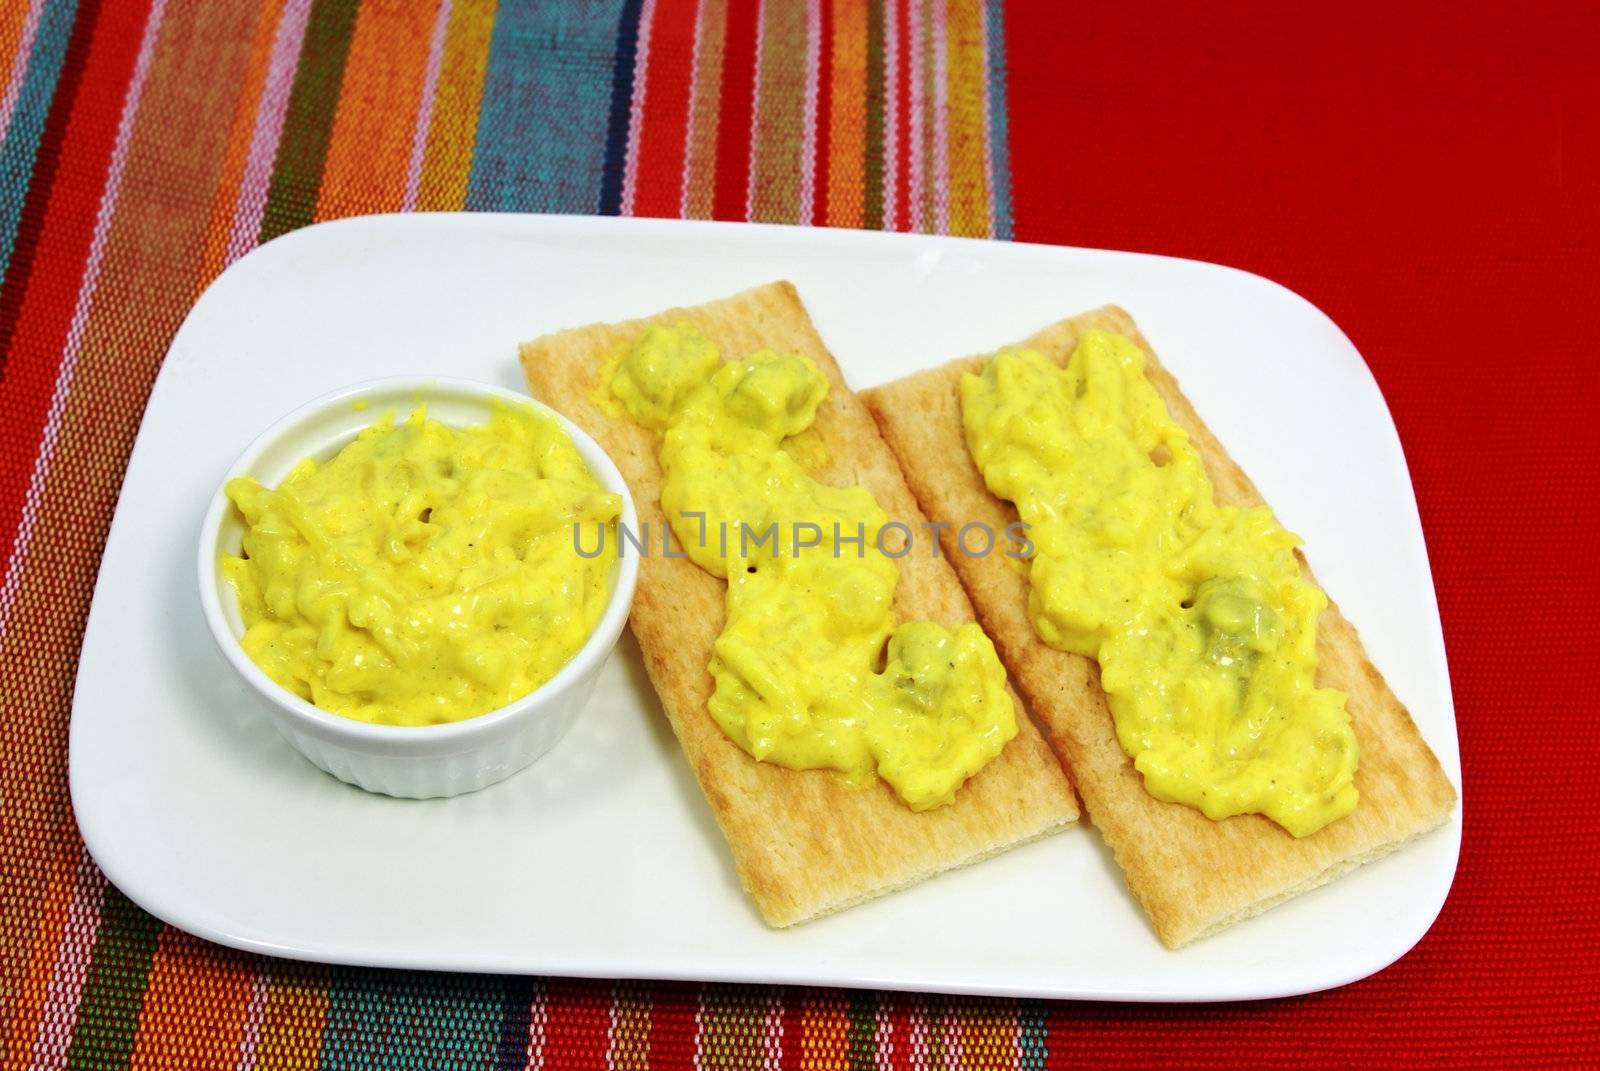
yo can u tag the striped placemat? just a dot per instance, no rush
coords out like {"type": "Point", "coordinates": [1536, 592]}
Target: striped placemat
{"type": "Point", "coordinates": [146, 145]}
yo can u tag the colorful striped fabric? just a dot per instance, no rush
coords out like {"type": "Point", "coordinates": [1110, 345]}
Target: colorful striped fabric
{"type": "Point", "coordinates": [146, 144]}
{"type": "Point", "coordinates": [1400, 167]}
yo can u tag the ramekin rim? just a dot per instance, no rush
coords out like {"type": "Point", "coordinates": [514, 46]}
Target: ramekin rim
{"type": "Point", "coordinates": [449, 737]}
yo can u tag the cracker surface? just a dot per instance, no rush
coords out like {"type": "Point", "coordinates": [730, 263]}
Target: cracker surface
{"type": "Point", "coordinates": [1193, 876]}
{"type": "Point", "coordinates": [803, 842]}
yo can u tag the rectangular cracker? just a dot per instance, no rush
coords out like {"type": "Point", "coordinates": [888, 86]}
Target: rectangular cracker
{"type": "Point", "coordinates": [1192, 875]}
{"type": "Point", "coordinates": [803, 843]}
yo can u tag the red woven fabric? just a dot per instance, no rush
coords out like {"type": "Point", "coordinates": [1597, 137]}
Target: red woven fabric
{"type": "Point", "coordinates": [1429, 181]}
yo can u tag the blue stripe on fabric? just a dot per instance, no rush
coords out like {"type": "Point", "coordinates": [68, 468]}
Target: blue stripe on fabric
{"type": "Point", "coordinates": [18, 152]}
{"type": "Point", "coordinates": [1033, 1036]}
{"type": "Point", "coordinates": [516, 1015]}
{"type": "Point", "coordinates": [999, 123]}
{"type": "Point", "coordinates": [622, 75]}
{"type": "Point", "coordinates": [405, 1019]}
{"type": "Point", "coordinates": [541, 144]}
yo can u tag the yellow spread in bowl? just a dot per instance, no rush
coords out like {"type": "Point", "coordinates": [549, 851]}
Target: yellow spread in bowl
{"type": "Point", "coordinates": [424, 574]}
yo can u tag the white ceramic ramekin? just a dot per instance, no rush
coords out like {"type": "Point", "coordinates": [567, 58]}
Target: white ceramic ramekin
{"type": "Point", "coordinates": [398, 760]}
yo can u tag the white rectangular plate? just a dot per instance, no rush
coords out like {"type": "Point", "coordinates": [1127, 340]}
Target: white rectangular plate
{"type": "Point", "coordinates": [603, 859]}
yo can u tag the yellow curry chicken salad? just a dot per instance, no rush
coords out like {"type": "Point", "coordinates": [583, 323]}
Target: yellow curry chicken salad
{"type": "Point", "coordinates": [426, 573]}
{"type": "Point", "coordinates": [1202, 622]}
{"type": "Point", "coordinates": [811, 670]}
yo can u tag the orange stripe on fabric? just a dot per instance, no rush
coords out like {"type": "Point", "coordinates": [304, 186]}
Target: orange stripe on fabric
{"type": "Point", "coordinates": [630, 1027]}
{"type": "Point", "coordinates": [12, 15]}
{"type": "Point", "coordinates": [847, 125]}
{"type": "Point", "coordinates": [194, 1005]}
{"type": "Point", "coordinates": [968, 151]}
{"type": "Point", "coordinates": [22, 999]}
{"type": "Point", "coordinates": [700, 172]}
{"type": "Point", "coordinates": [825, 1031]}
{"type": "Point", "coordinates": [294, 1019]}
{"type": "Point", "coordinates": [370, 147]}
{"type": "Point", "coordinates": [989, 1034]}
{"type": "Point", "coordinates": [780, 120]}
{"type": "Point", "coordinates": [447, 163]}
{"type": "Point", "coordinates": [926, 218]}
{"type": "Point", "coordinates": [215, 257]}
